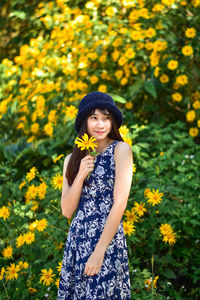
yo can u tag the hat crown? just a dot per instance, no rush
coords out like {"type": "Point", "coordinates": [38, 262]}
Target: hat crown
{"type": "Point", "coordinates": [95, 97]}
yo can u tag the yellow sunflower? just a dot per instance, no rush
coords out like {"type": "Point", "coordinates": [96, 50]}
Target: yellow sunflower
{"type": "Point", "coordinates": [57, 181]}
{"type": "Point", "coordinates": [7, 252]}
{"type": "Point", "coordinates": [131, 215]}
{"type": "Point", "coordinates": [128, 227]}
{"type": "Point", "coordinates": [12, 272]}
{"type": "Point", "coordinates": [86, 143]}
{"type": "Point", "coordinates": [139, 208]}
{"type": "Point", "coordinates": [47, 276]}
{"type": "Point", "coordinates": [154, 197]}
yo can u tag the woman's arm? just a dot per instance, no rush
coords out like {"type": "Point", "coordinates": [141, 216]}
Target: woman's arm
{"type": "Point", "coordinates": [123, 179]}
{"type": "Point", "coordinates": [71, 194]}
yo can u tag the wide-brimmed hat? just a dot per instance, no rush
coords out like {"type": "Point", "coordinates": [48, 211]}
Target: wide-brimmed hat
{"type": "Point", "coordinates": [95, 100]}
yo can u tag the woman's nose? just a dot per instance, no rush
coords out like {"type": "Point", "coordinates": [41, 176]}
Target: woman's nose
{"type": "Point", "coordinates": [100, 123]}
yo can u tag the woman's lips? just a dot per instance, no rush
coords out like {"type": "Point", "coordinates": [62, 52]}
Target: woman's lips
{"type": "Point", "coordinates": [99, 132]}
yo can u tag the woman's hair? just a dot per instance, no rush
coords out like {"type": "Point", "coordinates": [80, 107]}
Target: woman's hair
{"type": "Point", "coordinates": [77, 154]}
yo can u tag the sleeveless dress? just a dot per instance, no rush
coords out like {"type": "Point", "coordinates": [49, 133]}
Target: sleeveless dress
{"type": "Point", "coordinates": [112, 281]}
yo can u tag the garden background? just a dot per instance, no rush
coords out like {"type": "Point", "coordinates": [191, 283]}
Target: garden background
{"type": "Point", "coordinates": [146, 55]}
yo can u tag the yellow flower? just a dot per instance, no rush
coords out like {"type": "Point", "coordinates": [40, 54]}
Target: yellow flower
{"type": "Point", "coordinates": [59, 266]}
{"type": "Point", "coordinates": [118, 74]}
{"type": "Point", "coordinates": [129, 105]}
{"type": "Point", "coordinates": [187, 50]}
{"type": "Point", "coordinates": [72, 86]}
{"type": "Point", "coordinates": [124, 81]}
{"type": "Point", "coordinates": [32, 290]}
{"type": "Point", "coordinates": [94, 79]}
{"type": "Point", "coordinates": [193, 131]}
{"type": "Point", "coordinates": [2, 273]}
{"type": "Point", "coordinates": [196, 104]}
{"type": "Point", "coordinates": [123, 131]}
{"type": "Point", "coordinates": [130, 215]}
{"type": "Point", "coordinates": [47, 276]}
{"type": "Point", "coordinates": [146, 191]}
{"type": "Point", "coordinates": [164, 78]}
{"type": "Point", "coordinates": [168, 2]}
{"type": "Point", "coordinates": [170, 237]}
{"type": "Point", "coordinates": [31, 193]}
{"type": "Point", "coordinates": [158, 7]}
{"type": "Point", "coordinates": [41, 190]}
{"type": "Point", "coordinates": [122, 60]}
{"type": "Point", "coordinates": [150, 32]}
{"type": "Point", "coordinates": [161, 153]}
{"type": "Point", "coordinates": [71, 111]}
{"type": "Point", "coordinates": [57, 282]}
{"type": "Point", "coordinates": [102, 88]}
{"type": "Point", "coordinates": [182, 79]}
{"type": "Point", "coordinates": [128, 227]}
{"type": "Point", "coordinates": [191, 116]}
{"type": "Point", "coordinates": [20, 240]}
{"type": "Point", "coordinates": [111, 11]}
{"type": "Point", "coordinates": [190, 32]}
{"type": "Point", "coordinates": [156, 71]}
{"type": "Point", "coordinates": [4, 212]}
{"type": "Point", "coordinates": [154, 197]}
{"type": "Point", "coordinates": [130, 53]}
{"type": "Point", "coordinates": [57, 158]}
{"type": "Point", "coordinates": [177, 97]}
{"type": "Point", "coordinates": [165, 228]}
{"type": "Point", "coordinates": [29, 237]}
{"type": "Point", "coordinates": [7, 252]}
{"type": "Point", "coordinates": [48, 129]}
{"type": "Point", "coordinates": [148, 283]}
{"type": "Point", "coordinates": [85, 142]}
{"type": "Point", "coordinates": [12, 272]}
{"type": "Point", "coordinates": [31, 174]}
{"type": "Point", "coordinates": [33, 225]}
{"type": "Point", "coordinates": [52, 116]}
{"type": "Point", "coordinates": [172, 64]}
{"type": "Point", "coordinates": [35, 128]}
{"type": "Point", "coordinates": [139, 208]}
{"type": "Point", "coordinates": [22, 184]}
{"type": "Point", "coordinates": [127, 140]}
{"type": "Point", "coordinates": [57, 181]}
{"type": "Point", "coordinates": [41, 225]}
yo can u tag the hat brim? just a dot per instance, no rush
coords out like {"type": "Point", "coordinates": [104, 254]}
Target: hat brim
{"type": "Point", "coordinates": [84, 113]}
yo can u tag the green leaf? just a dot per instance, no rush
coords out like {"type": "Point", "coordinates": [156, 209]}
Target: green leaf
{"type": "Point", "coordinates": [150, 88]}
{"type": "Point", "coordinates": [136, 86]}
{"type": "Point", "coordinates": [18, 14]}
{"type": "Point", "coordinates": [118, 98]}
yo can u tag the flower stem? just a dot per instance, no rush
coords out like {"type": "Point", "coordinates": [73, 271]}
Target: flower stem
{"type": "Point", "coordinates": [5, 290]}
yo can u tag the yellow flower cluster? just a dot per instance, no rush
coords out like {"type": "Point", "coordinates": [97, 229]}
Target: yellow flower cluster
{"type": "Point", "coordinates": [168, 234]}
{"type": "Point", "coordinates": [124, 131]}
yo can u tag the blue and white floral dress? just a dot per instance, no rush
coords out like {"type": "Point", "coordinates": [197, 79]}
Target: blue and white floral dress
{"type": "Point", "coordinates": [113, 281]}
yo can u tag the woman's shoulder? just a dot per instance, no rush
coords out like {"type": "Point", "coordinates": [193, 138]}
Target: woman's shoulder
{"type": "Point", "coordinates": [122, 147]}
{"type": "Point", "coordinates": [123, 153]}
{"type": "Point", "coordinates": [67, 158]}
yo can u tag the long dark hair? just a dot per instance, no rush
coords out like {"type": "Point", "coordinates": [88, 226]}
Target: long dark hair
{"type": "Point", "coordinates": [77, 154]}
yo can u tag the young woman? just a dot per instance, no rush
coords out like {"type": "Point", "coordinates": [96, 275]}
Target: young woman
{"type": "Point", "coordinates": [95, 261]}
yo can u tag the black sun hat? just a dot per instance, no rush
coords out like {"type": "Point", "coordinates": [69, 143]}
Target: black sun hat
{"type": "Point", "coordinates": [95, 100]}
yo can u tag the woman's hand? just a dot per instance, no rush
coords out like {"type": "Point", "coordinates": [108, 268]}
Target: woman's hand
{"type": "Point", "coordinates": [86, 166]}
{"type": "Point", "coordinates": [94, 263]}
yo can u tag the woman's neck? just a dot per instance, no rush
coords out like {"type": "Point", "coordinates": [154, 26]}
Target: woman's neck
{"type": "Point", "coordinates": [102, 145]}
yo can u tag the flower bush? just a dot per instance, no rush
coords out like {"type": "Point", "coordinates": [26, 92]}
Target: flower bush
{"type": "Point", "coordinates": [146, 55]}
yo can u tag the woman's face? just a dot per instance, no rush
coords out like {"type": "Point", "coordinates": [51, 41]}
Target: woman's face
{"type": "Point", "coordinates": [99, 125]}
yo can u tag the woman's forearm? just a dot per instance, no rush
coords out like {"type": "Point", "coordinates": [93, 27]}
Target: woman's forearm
{"type": "Point", "coordinates": [70, 199]}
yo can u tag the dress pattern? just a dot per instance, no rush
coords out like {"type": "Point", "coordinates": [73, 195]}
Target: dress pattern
{"type": "Point", "coordinates": [112, 281]}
